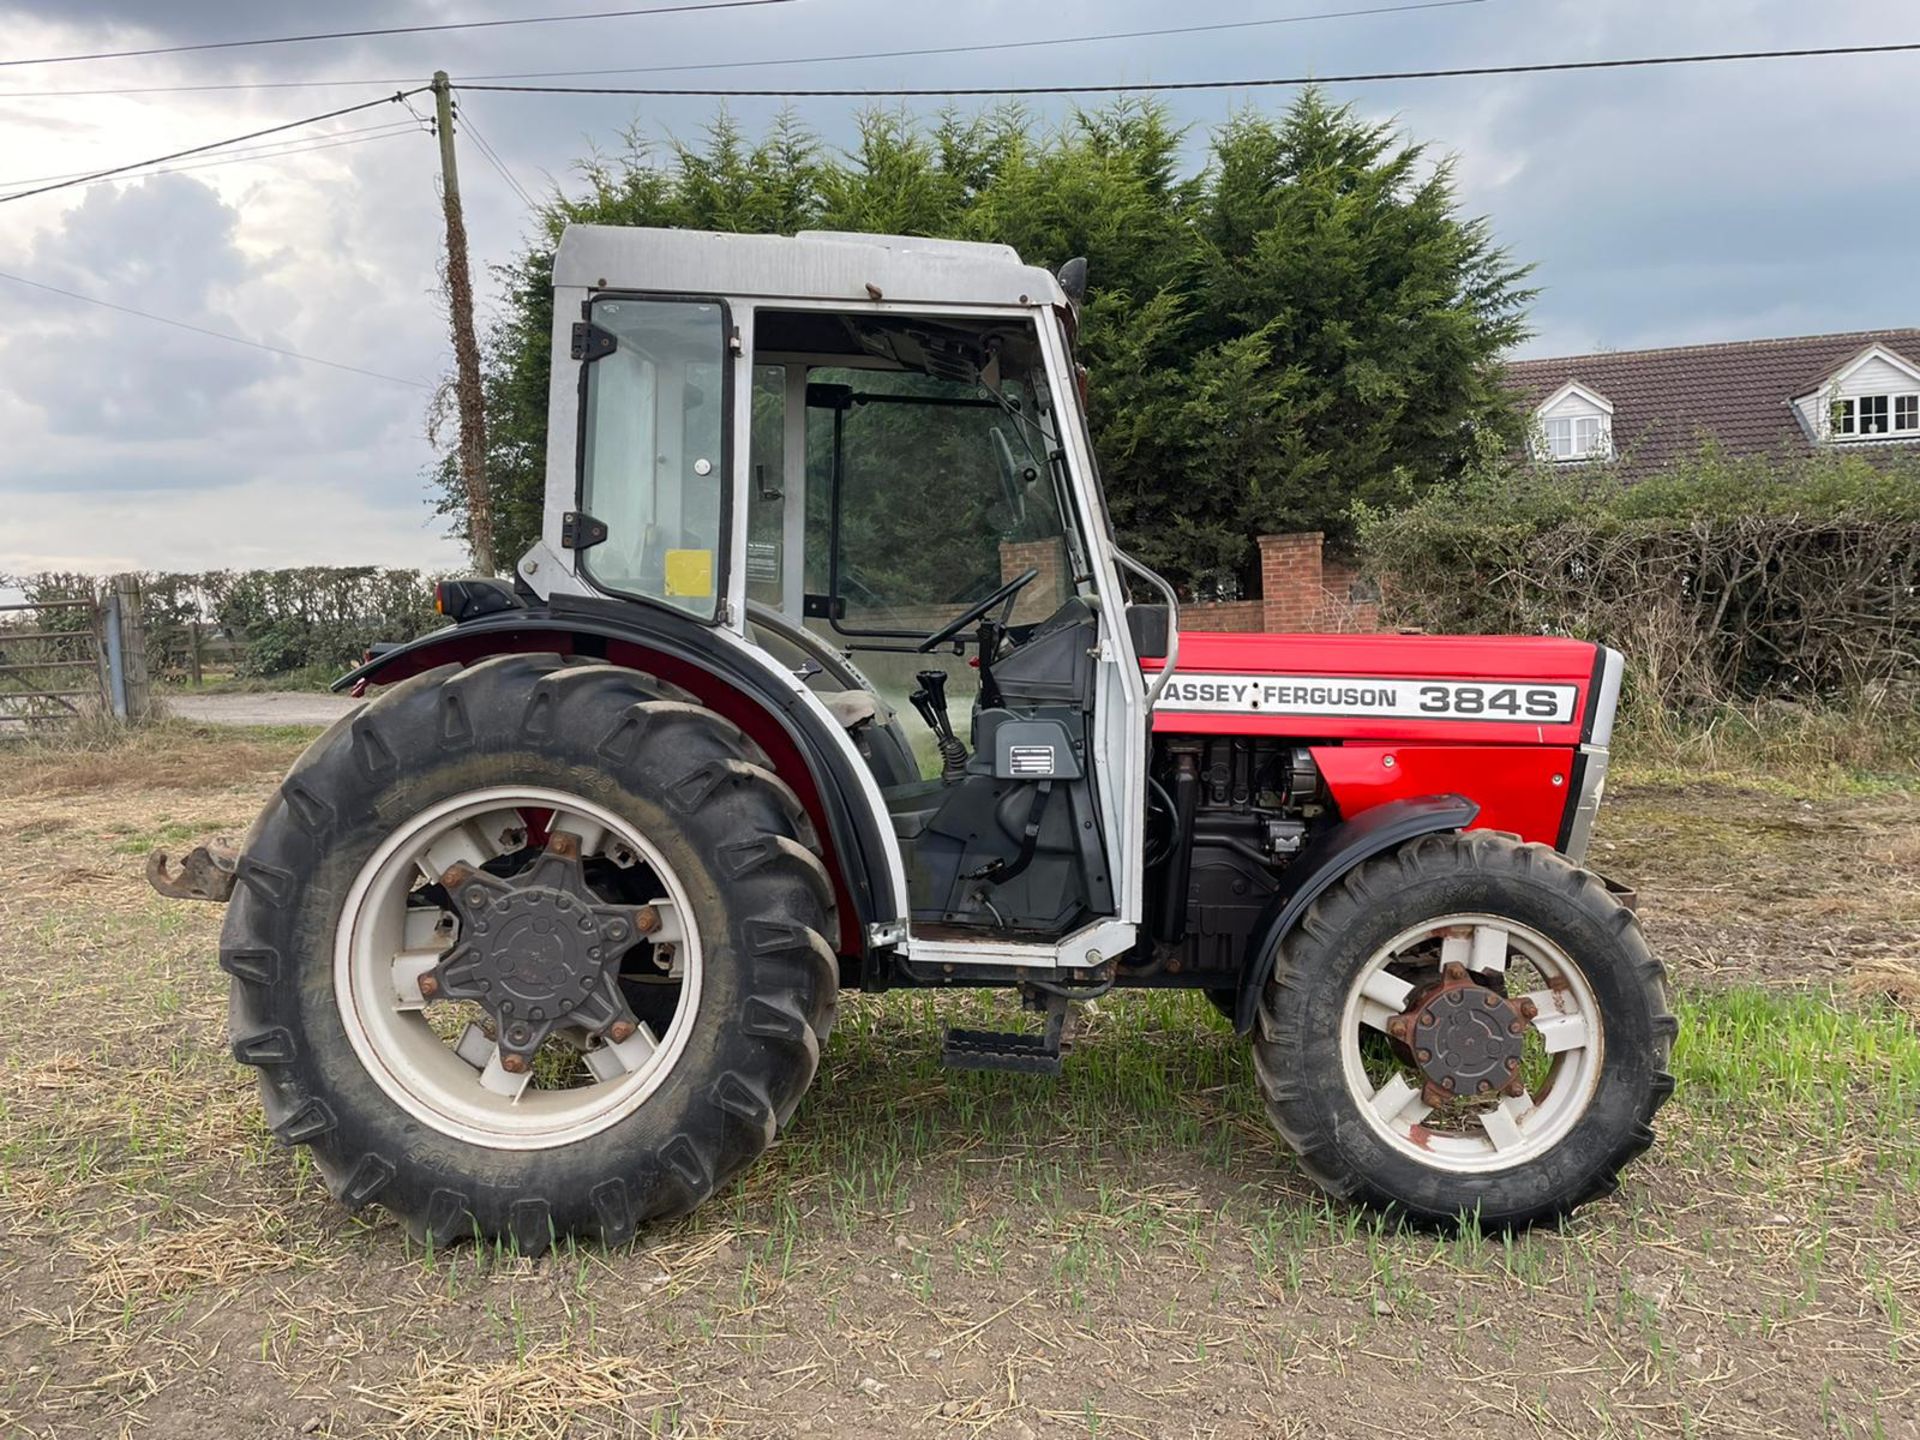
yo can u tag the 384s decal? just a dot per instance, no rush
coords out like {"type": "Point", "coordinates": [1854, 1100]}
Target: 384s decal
{"type": "Point", "coordinates": [1346, 695]}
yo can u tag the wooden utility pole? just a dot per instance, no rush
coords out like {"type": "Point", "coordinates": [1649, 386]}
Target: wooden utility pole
{"type": "Point", "coordinates": [466, 350]}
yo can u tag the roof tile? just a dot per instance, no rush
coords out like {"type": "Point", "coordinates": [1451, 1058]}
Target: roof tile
{"type": "Point", "coordinates": [1667, 402]}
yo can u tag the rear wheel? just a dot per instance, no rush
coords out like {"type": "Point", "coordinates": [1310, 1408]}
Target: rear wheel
{"type": "Point", "coordinates": [1467, 1027]}
{"type": "Point", "coordinates": [530, 950]}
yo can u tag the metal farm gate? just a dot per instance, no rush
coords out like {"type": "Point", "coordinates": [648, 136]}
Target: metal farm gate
{"type": "Point", "coordinates": [61, 660]}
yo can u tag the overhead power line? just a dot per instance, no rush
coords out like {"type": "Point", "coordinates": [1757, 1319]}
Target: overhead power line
{"type": "Point", "coordinates": [392, 30]}
{"type": "Point", "coordinates": [396, 98]}
{"type": "Point", "coordinates": [1144, 86]}
{"type": "Point", "coordinates": [269, 147]}
{"type": "Point", "coordinates": [214, 334]}
{"type": "Point", "coordinates": [492, 157]}
{"type": "Point", "coordinates": [1050, 44]}
{"type": "Point", "coordinates": [983, 48]}
{"type": "Point", "coordinates": [263, 156]}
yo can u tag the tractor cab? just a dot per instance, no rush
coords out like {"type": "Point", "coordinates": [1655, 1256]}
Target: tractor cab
{"type": "Point", "coordinates": [863, 459]}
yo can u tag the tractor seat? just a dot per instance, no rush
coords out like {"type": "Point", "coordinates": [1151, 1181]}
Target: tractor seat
{"type": "Point", "coordinates": [852, 708]}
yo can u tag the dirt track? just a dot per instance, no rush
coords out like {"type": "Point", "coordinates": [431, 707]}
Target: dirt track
{"type": "Point", "coordinates": [270, 707]}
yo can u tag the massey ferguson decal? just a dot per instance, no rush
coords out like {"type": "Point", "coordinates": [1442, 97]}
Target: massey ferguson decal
{"type": "Point", "coordinates": [1353, 695]}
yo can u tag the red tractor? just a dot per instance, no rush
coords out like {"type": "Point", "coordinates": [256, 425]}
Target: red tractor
{"type": "Point", "coordinates": [545, 938]}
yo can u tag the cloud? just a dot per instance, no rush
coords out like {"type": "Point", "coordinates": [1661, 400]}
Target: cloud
{"type": "Point", "coordinates": [1662, 206]}
{"type": "Point", "coordinates": [165, 245]}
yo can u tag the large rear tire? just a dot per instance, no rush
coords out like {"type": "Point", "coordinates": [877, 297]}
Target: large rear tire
{"type": "Point", "coordinates": [1550, 1009]}
{"type": "Point", "coordinates": [591, 1145]}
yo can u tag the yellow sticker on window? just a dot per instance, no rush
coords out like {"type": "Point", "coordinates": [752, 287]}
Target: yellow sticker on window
{"type": "Point", "coordinates": [690, 572]}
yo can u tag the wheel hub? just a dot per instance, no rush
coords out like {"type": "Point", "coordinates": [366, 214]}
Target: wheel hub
{"type": "Point", "coordinates": [1465, 1038]}
{"type": "Point", "coordinates": [538, 950]}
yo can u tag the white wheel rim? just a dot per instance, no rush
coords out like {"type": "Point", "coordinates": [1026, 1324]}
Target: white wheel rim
{"type": "Point", "coordinates": [460, 1089]}
{"type": "Point", "coordinates": [1495, 1132]}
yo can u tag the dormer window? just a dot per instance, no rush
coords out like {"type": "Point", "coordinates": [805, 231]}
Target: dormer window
{"type": "Point", "coordinates": [1872, 399]}
{"type": "Point", "coordinates": [1865, 417]}
{"type": "Point", "coordinates": [1575, 425]}
{"type": "Point", "coordinates": [1576, 437]}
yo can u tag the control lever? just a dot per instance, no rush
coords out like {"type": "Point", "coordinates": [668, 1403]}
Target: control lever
{"type": "Point", "coordinates": [988, 644]}
{"type": "Point", "coordinates": [931, 701]}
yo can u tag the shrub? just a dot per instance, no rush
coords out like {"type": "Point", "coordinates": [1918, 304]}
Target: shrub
{"type": "Point", "coordinates": [1725, 581]}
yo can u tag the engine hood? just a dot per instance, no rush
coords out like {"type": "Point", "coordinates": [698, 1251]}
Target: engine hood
{"type": "Point", "coordinates": [1517, 689]}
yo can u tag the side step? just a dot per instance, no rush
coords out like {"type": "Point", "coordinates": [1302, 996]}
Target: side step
{"type": "Point", "coordinates": [1008, 1049]}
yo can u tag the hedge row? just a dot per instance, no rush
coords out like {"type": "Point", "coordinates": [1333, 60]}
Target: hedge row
{"type": "Point", "coordinates": [310, 617]}
{"type": "Point", "coordinates": [1722, 580]}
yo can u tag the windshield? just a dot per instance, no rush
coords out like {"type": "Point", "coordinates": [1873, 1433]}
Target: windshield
{"type": "Point", "coordinates": [653, 461]}
{"type": "Point", "coordinates": [934, 493]}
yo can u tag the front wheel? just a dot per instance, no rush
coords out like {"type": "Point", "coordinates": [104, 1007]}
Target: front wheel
{"type": "Point", "coordinates": [1468, 1027]}
{"type": "Point", "coordinates": [531, 950]}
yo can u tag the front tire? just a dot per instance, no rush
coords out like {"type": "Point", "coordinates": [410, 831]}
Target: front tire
{"type": "Point", "coordinates": [591, 1144]}
{"type": "Point", "coordinates": [1457, 929]}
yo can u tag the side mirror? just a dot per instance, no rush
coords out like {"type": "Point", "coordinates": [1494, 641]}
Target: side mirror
{"type": "Point", "coordinates": [1073, 280]}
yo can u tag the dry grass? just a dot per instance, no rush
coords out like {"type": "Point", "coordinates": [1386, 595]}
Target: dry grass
{"type": "Point", "coordinates": [1124, 1252]}
{"type": "Point", "coordinates": [107, 760]}
{"type": "Point", "coordinates": [547, 1394]}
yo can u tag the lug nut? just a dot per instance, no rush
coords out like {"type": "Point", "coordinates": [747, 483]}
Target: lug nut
{"type": "Point", "coordinates": [1426, 1017]}
{"type": "Point", "coordinates": [513, 1064]}
{"type": "Point", "coordinates": [1397, 1027]}
{"type": "Point", "coordinates": [476, 896]}
{"type": "Point", "coordinates": [1423, 1055]}
{"type": "Point", "coordinates": [647, 919]}
{"type": "Point", "coordinates": [1516, 1027]}
{"type": "Point", "coordinates": [1516, 1087]}
{"type": "Point", "coordinates": [1485, 1086]}
{"type": "Point", "coordinates": [429, 987]}
{"type": "Point", "coordinates": [1513, 1062]}
{"type": "Point", "coordinates": [1491, 1000]}
{"type": "Point", "coordinates": [620, 1030]}
{"type": "Point", "coordinates": [1528, 1008]}
{"type": "Point", "coordinates": [563, 845]}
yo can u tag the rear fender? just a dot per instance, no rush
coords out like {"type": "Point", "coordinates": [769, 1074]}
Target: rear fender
{"type": "Point", "coordinates": [1318, 867]}
{"type": "Point", "coordinates": [807, 749]}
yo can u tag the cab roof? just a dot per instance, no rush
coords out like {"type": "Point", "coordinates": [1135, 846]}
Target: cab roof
{"type": "Point", "coordinates": [813, 265]}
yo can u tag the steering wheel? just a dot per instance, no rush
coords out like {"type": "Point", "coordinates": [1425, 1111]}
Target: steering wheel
{"type": "Point", "coordinates": [973, 613]}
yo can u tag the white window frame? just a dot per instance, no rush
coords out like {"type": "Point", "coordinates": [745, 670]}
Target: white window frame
{"type": "Point", "coordinates": [1846, 417]}
{"type": "Point", "coordinates": [1556, 430]}
{"type": "Point", "coordinates": [1598, 414]}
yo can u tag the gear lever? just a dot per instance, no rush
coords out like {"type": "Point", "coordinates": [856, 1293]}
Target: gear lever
{"type": "Point", "coordinates": [931, 701]}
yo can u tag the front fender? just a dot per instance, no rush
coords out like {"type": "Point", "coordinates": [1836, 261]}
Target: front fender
{"type": "Point", "coordinates": [1332, 854]}
{"type": "Point", "coordinates": [807, 752]}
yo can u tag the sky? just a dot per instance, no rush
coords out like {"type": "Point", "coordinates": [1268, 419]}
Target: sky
{"type": "Point", "coordinates": [1660, 207]}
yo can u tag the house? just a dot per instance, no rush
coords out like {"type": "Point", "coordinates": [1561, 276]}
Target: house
{"type": "Point", "coordinates": [1643, 409]}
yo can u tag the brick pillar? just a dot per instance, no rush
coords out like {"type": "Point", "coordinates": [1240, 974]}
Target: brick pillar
{"type": "Point", "coordinates": [1290, 581]}
{"type": "Point", "coordinates": [1044, 595]}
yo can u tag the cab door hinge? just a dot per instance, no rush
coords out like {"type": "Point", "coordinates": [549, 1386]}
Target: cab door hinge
{"type": "Point", "coordinates": [580, 531]}
{"type": "Point", "coordinates": [591, 343]}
